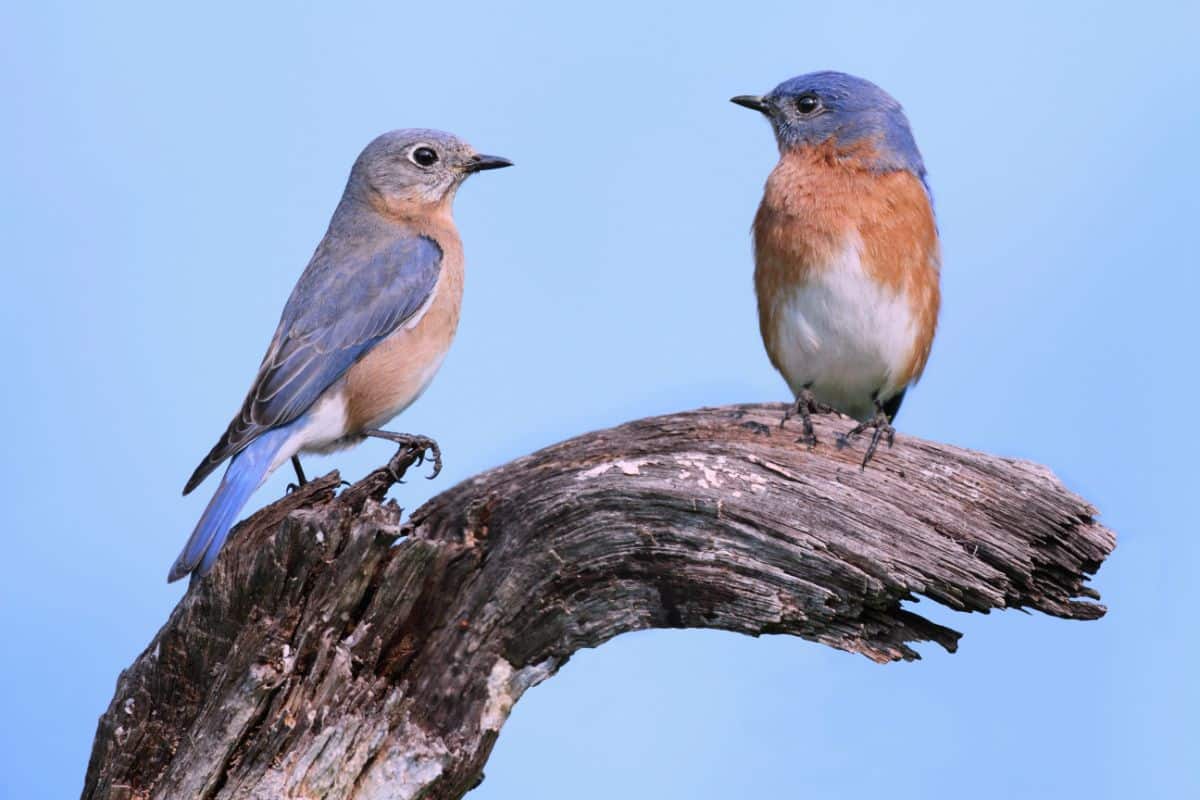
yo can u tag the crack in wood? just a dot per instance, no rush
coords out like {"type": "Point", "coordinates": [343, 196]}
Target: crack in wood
{"type": "Point", "coordinates": [338, 651]}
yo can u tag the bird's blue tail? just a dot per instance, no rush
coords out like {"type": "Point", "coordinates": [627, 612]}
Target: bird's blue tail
{"type": "Point", "coordinates": [245, 473]}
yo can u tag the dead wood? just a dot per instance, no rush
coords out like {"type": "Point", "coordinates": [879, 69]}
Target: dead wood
{"type": "Point", "coordinates": [338, 651]}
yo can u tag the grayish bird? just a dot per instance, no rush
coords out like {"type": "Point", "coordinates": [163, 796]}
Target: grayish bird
{"type": "Point", "coordinates": [363, 333]}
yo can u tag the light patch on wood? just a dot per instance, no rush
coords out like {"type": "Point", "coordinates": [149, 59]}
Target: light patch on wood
{"type": "Point", "coordinates": [289, 658]}
{"type": "Point", "coordinates": [506, 685]}
{"type": "Point", "coordinates": [411, 763]}
{"type": "Point", "coordinates": [710, 474]}
{"type": "Point", "coordinates": [631, 467]}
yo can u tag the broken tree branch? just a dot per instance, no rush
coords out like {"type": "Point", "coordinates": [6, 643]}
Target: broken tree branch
{"type": "Point", "coordinates": [337, 652]}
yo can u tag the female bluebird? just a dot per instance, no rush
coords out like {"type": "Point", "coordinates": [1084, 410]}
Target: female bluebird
{"type": "Point", "coordinates": [363, 333]}
{"type": "Point", "coordinates": [846, 251]}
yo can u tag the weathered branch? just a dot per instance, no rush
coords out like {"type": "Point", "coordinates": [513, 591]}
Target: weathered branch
{"type": "Point", "coordinates": [321, 658]}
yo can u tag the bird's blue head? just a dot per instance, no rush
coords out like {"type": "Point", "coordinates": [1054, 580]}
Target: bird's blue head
{"type": "Point", "coordinates": [841, 109]}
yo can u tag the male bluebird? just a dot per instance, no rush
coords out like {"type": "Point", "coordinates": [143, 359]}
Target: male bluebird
{"type": "Point", "coordinates": [846, 251]}
{"type": "Point", "coordinates": [363, 333]}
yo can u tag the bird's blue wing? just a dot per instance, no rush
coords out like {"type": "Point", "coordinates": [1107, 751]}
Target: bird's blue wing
{"type": "Point", "coordinates": [339, 310]}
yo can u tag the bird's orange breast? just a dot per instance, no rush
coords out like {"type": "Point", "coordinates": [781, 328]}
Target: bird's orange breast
{"type": "Point", "coordinates": [396, 371]}
{"type": "Point", "coordinates": [820, 198]}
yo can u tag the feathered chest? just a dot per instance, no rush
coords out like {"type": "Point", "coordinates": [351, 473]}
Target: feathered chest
{"type": "Point", "coordinates": [846, 276]}
{"type": "Point", "coordinates": [398, 369]}
{"type": "Point", "coordinates": [814, 200]}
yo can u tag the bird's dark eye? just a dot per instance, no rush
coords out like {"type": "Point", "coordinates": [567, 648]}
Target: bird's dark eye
{"type": "Point", "coordinates": [808, 103]}
{"type": "Point", "coordinates": [424, 156]}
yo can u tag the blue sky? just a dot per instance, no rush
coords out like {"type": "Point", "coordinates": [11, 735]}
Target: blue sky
{"type": "Point", "coordinates": [168, 170]}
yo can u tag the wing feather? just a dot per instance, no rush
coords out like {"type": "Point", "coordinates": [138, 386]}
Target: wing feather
{"type": "Point", "coordinates": [336, 313]}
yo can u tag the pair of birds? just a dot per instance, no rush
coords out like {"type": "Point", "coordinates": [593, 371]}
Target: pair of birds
{"type": "Point", "coordinates": [846, 274]}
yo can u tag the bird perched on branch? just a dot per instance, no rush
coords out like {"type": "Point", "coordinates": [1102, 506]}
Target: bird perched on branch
{"type": "Point", "coordinates": [363, 333]}
{"type": "Point", "coordinates": [846, 251]}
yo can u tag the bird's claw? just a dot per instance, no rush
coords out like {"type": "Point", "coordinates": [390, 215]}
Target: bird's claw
{"type": "Point", "coordinates": [809, 439]}
{"type": "Point", "coordinates": [883, 428]}
{"type": "Point", "coordinates": [430, 446]}
{"type": "Point", "coordinates": [413, 449]}
{"type": "Point", "coordinates": [805, 406]}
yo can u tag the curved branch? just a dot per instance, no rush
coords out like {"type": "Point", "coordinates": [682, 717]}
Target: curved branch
{"type": "Point", "coordinates": [335, 652]}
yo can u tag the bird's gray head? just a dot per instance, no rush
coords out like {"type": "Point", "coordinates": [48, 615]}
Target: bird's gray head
{"type": "Point", "coordinates": [414, 167]}
{"type": "Point", "coordinates": [842, 110]}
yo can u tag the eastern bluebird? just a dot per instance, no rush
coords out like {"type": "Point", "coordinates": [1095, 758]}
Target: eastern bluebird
{"type": "Point", "coordinates": [363, 333]}
{"type": "Point", "coordinates": [846, 251]}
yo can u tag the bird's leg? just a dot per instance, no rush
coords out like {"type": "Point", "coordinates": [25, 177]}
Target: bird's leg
{"type": "Point", "coordinates": [300, 479]}
{"type": "Point", "coordinates": [412, 449]}
{"type": "Point", "coordinates": [883, 427]}
{"type": "Point", "coordinates": [805, 405]}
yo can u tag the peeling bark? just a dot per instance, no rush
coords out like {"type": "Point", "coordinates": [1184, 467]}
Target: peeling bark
{"type": "Point", "coordinates": [337, 651]}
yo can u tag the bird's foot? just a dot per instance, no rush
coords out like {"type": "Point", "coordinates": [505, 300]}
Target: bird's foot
{"type": "Point", "coordinates": [300, 479]}
{"type": "Point", "coordinates": [806, 405]}
{"type": "Point", "coordinates": [412, 451]}
{"type": "Point", "coordinates": [883, 428]}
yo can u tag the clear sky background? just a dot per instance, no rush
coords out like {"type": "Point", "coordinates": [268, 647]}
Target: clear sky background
{"type": "Point", "coordinates": [166, 172]}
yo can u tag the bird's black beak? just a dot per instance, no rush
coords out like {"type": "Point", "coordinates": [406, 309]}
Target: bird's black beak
{"type": "Point", "coordinates": [479, 163]}
{"type": "Point", "coordinates": [753, 101]}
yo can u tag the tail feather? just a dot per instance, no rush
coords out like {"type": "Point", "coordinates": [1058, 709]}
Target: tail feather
{"type": "Point", "coordinates": [246, 472]}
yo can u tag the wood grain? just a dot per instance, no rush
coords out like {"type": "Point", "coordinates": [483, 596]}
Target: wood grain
{"type": "Point", "coordinates": [338, 651]}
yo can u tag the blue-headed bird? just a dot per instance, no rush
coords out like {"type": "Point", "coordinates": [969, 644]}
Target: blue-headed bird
{"type": "Point", "coordinates": [847, 261]}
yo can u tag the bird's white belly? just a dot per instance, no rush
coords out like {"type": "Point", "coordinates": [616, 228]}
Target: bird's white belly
{"type": "Point", "coordinates": [845, 335]}
{"type": "Point", "coordinates": [322, 428]}
{"type": "Point", "coordinates": [327, 425]}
